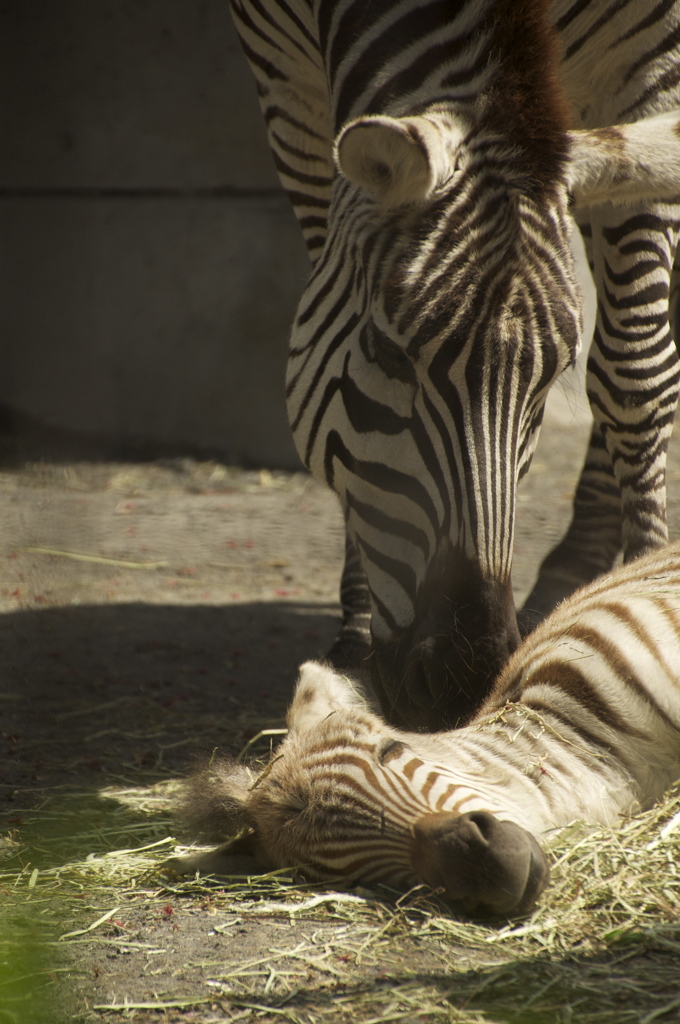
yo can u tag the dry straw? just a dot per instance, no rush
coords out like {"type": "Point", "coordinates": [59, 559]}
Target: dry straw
{"type": "Point", "coordinates": [602, 948]}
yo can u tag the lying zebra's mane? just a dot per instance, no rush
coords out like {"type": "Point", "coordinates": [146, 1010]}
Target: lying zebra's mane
{"type": "Point", "coordinates": [212, 804]}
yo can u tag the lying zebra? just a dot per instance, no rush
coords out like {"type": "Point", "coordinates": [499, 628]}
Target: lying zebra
{"type": "Point", "coordinates": [584, 722]}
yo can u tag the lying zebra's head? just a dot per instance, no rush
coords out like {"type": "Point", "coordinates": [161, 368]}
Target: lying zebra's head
{"type": "Point", "coordinates": [438, 315]}
{"type": "Point", "coordinates": [346, 796]}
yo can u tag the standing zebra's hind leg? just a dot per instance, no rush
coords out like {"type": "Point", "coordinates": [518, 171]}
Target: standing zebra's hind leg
{"type": "Point", "coordinates": [633, 382]}
{"type": "Point", "coordinates": [633, 368]}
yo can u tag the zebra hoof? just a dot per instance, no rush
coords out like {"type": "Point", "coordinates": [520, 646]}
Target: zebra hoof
{"type": "Point", "coordinates": [482, 865]}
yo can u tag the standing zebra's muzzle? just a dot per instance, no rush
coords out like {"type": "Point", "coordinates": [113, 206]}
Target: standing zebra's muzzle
{"type": "Point", "coordinates": [437, 674]}
{"type": "Point", "coordinates": [483, 865]}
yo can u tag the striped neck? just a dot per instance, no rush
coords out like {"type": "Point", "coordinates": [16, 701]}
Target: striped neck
{"type": "Point", "coordinates": [549, 775]}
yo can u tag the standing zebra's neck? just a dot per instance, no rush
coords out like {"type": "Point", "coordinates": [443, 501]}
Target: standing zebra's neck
{"type": "Point", "coordinates": [494, 60]}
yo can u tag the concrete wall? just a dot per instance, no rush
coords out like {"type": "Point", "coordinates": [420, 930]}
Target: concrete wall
{"type": "Point", "coordinates": [149, 263]}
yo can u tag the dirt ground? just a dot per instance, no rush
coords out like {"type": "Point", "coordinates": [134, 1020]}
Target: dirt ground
{"type": "Point", "coordinates": [152, 611]}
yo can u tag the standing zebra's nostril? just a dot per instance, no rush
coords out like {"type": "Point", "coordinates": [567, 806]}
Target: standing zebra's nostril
{"type": "Point", "coordinates": [483, 865]}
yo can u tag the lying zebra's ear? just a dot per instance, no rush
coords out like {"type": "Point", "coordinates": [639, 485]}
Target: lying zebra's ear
{"type": "Point", "coordinates": [320, 691]}
{"type": "Point", "coordinates": [627, 162]}
{"type": "Point", "coordinates": [401, 160]}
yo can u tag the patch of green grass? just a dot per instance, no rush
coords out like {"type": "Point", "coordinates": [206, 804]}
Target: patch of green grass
{"type": "Point", "coordinates": [30, 967]}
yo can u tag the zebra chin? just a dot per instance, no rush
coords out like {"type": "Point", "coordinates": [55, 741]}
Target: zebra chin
{"type": "Point", "coordinates": [481, 865]}
{"type": "Point", "coordinates": [437, 674]}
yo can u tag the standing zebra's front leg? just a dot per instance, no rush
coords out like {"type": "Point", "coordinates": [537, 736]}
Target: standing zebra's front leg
{"type": "Point", "coordinates": [352, 645]}
{"type": "Point", "coordinates": [633, 381]}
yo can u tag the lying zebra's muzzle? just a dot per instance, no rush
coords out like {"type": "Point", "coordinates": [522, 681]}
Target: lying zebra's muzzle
{"type": "Point", "coordinates": [482, 865]}
{"type": "Point", "coordinates": [437, 674]}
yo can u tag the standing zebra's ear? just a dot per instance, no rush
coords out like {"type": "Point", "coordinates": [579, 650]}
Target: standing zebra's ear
{"type": "Point", "coordinates": [626, 162]}
{"type": "Point", "coordinates": [401, 160]}
{"type": "Point", "coordinates": [320, 691]}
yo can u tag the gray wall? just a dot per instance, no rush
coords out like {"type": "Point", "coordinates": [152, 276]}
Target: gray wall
{"type": "Point", "coordinates": [149, 263]}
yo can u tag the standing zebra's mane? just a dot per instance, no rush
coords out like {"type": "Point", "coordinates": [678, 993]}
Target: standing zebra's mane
{"type": "Point", "coordinates": [527, 51]}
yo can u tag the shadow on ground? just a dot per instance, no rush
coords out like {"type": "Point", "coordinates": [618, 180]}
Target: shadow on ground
{"type": "Point", "coordinates": [130, 691]}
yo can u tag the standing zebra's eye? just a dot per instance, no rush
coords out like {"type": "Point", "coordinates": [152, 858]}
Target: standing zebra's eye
{"type": "Point", "coordinates": [389, 750]}
{"type": "Point", "coordinates": [378, 348]}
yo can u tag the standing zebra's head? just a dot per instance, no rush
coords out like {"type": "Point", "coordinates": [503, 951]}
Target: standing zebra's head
{"type": "Point", "coordinates": [346, 796]}
{"type": "Point", "coordinates": [438, 315]}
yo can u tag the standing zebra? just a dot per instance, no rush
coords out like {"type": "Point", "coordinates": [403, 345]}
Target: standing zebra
{"type": "Point", "coordinates": [426, 151]}
{"type": "Point", "coordinates": [584, 722]}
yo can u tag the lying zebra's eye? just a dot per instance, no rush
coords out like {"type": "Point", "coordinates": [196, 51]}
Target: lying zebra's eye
{"type": "Point", "coordinates": [390, 750]}
{"type": "Point", "coordinates": [392, 360]}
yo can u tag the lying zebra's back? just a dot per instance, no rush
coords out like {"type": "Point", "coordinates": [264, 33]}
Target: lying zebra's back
{"type": "Point", "coordinates": [605, 669]}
